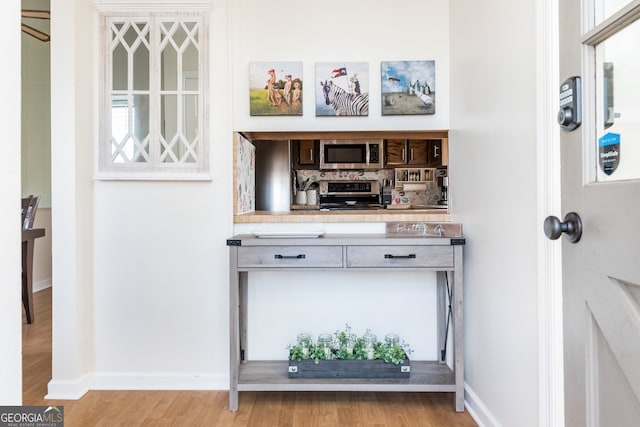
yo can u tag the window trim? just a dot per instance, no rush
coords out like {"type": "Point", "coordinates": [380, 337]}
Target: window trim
{"type": "Point", "coordinates": [615, 23]}
{"type": "Point", "coordinates": [104, 169]}
{"type": "Point", "coordinates": [592, 35]}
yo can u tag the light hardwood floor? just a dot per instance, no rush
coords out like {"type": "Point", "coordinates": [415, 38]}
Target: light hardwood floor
{"type": "Point", "coordinates": [209, 408]}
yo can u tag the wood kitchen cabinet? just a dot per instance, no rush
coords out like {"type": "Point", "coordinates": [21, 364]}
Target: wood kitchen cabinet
{"type": "Point", "coordinates": [305, 153]}
{"type": "Point", "coordinates": [395, 152]}
{"type": "Point", "coordinates": [414, 152]}
{"type": "Point", "coordinates": [435, 152]}
{"type": "Point", "coordinates": [430, 147]}
{"type": "Point", "coordinates": [417, 152]}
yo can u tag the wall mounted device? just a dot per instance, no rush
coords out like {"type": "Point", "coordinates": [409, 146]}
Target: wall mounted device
{"type": "Point", "coordinates": [570, 114]}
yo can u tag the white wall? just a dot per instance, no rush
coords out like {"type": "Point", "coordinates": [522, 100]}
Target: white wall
{"type": "Point", "coordinates": [146, 282]}
{"type": "Point", "coordinates": [36, 110]}
{"type": "Point", "coordinates": [324, 32]}
{"type": "Point", "coordinates": [342, 31]}
{"type": "Point", "coordinates": [36, 137]}
{"type": "Point", "coordinates": [10, 240]}
{"type": "Point", "coordinates": [42, 251]}
{"type": "Point", "coordinates": [159, 294]}
{"type": "Point", "coordinates": [73, 124]}
{"type": "Point", "coordinates": [493, 177]}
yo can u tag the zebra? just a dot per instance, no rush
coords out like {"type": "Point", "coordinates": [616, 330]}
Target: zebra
{"type": "Point", "coordinates": [343, 103]}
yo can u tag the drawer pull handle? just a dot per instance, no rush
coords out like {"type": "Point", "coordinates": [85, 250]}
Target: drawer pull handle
{"type": "Point", "coordinates": [389, 256]}
{"type": "Point", "coordinates": [301, 256]}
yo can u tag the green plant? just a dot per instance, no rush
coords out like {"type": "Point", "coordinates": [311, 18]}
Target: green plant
{"type": "Point", "coordinates": [318, 353]}
{"type": "Point", "coordinates": [394, 353]}
{"type": "Point", "coordinates": [296, 352]}
{"type": "Point", "coordinates": [348, 346]}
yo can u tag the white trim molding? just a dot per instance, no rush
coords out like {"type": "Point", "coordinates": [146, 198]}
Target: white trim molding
{"type": "Point", "coordinates": [160, 6]}
{"type": "Point", "coordinates": [67, 389]}
{"type": "Point", "coordinates": [42, 285]}
{"type": "Point", "coordinates": [158, 381]}
{"type": "Point", "coordinates": [550, 340]}
{"type": "Point", "coordinates": [74, 390]}
{"type": "Point", "coordinates": [478, 410]}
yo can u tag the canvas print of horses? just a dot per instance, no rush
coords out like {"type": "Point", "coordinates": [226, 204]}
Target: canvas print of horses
{"type": "Point", "coordinates": [408, 87]}
{"type": "Point", "coordinates": [342, 89]}
{"type": "Point", "coordinates": [275, 88]}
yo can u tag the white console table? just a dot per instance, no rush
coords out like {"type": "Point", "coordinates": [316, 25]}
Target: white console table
{"type": "Point", "coordinates": [348, 252]}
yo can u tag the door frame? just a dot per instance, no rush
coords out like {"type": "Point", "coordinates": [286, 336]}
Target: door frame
{"type": "Point", "coordinates": [550, 331]}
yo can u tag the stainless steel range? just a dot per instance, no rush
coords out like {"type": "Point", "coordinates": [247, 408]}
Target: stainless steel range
{"type": "Point", "coordinates": [343, 195]}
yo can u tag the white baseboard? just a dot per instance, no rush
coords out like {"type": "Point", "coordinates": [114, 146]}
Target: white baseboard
{"type": "Point", "coordinates": [67, 390]}
{"type": "Point", "coordinates": [74, 390]}
{"type": "Point", "coordinates": [478, 411]}
{"type": "Point", "coordinates": [41, 285]}
{"type": "Point", "coordinates": [129, 381]}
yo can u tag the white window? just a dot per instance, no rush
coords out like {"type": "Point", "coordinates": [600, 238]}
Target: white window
{"type": "Point", "coordinates": [153, 109]}
{"type": "Point", "coordinates": [613, 121]}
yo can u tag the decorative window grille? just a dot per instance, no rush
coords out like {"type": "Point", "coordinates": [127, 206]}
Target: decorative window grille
{"type": "Point", "coordinates": [153, 111]}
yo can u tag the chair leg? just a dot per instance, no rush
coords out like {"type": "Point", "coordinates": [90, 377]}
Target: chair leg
{"type": "Point", "coordinates": [27, 279]}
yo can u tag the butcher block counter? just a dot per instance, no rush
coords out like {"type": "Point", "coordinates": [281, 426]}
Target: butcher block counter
{"type": "Point", "coordinates": [375, 215]}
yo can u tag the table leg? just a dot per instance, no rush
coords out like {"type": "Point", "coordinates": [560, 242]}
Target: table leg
{"type": "Point", "coordinates": [234, 320]}
{"type": "Point", "coordinates": [27, 279]}
{"type": "Point", "coordinates": [442, 313]}
{"type": "Point", "coordinates": [458, 333]}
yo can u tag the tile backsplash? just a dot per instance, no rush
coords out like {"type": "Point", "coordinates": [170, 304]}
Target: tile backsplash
{"type": "Point", "coordinates": [429, 196]}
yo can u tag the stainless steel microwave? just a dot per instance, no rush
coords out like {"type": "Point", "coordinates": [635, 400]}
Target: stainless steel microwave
{"type": "Point", "coordinates": [351, 154]}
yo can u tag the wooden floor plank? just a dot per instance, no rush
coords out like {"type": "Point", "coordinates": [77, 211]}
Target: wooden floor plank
{"type": "Point", "coordinates": [210, 408]}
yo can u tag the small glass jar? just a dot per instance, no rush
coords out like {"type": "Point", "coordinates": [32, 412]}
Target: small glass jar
{"type": "Point", "coordinates": [350, 344]}
{"type": "Point", "coordinates": [325, 342]}
{"type": "Point", "coordinates": [391, 339]}
{"type": "Point", "coordinates": [369, 344]}
{"type": "Point", "coordinates": [304, 341]}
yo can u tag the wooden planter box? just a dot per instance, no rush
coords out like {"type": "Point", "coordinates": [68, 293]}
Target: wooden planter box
{"type": "Point", "coordinates": [348, 369]}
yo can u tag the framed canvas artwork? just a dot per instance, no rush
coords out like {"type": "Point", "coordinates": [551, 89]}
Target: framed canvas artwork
{"type": "Point", "coordinates": [275, 88]}
{"type": "Point", "coordinates": [408, 87]}
{"type": "Point", "coordinates": [342, 89]}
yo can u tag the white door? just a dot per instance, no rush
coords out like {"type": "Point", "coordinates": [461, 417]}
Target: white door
{"type": "Point", "coordinates": [600, 41]}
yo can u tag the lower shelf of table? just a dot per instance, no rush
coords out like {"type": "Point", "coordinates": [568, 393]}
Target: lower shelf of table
{"type": "Point", "coordinates": [273, 376]}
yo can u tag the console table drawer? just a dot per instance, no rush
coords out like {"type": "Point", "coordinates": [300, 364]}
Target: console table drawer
{"type": "Point", "coordinates": [290, 256]}
{"type": "Point", "coordinates": [400, 256]}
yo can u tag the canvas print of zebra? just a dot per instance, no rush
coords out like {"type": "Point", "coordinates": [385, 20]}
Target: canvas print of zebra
{"type": "Point", "coordinates": [408, 87]}
{"type": "Point", "coordinates": [275, 88]}
{"type": "Point", "coordinates": [342, 89]}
